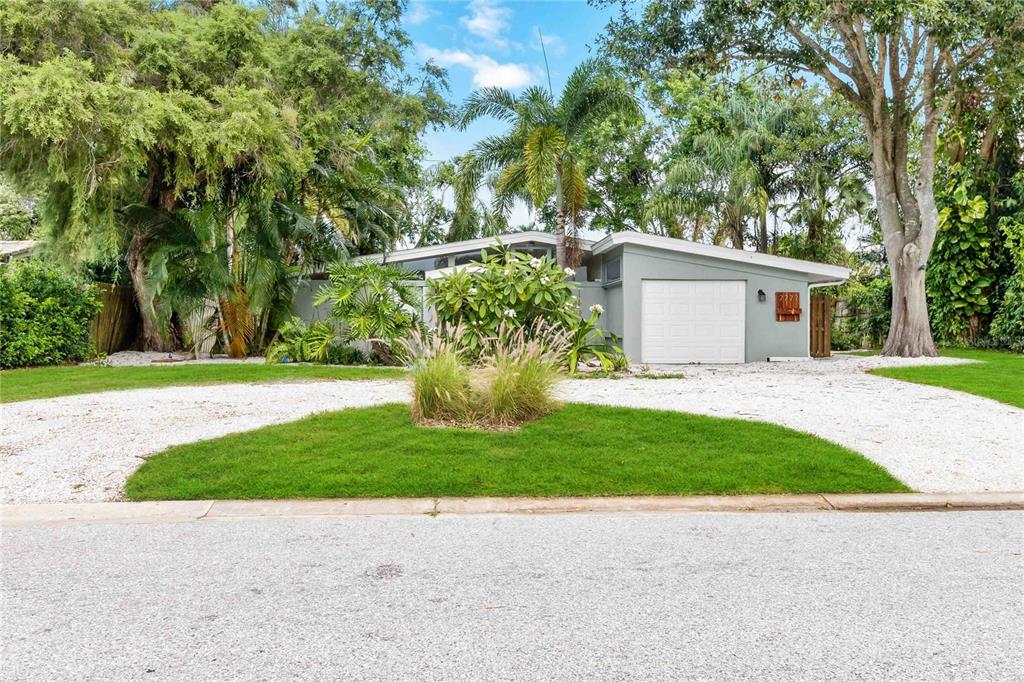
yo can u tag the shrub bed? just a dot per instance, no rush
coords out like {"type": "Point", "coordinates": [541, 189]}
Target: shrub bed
{"type": "Point", "coordinates": [45, 315]}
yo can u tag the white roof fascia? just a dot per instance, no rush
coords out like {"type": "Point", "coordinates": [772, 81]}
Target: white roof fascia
{"type": "Point", "coordinates": [817, 270]}
{"type": "Point", "coordinates": [467, 245]}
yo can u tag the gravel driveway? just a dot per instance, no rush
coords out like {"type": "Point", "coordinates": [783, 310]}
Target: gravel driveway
{"type": "Point", "coordinates": [82, 448]}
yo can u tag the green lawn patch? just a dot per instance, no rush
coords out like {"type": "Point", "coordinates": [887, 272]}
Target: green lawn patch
{"type": "Point", "coordinates": [998, 375]}
{"type": "Point", "coordinates": [579, 450]}
{"type": "Point", "coordinates": [49, 382]}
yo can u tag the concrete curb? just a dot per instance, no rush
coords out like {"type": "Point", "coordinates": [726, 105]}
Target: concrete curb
{"type": "Point", "coordinates": [28, 515]}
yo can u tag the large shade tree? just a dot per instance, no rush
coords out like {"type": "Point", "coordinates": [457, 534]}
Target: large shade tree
{"type": "Point", "coordinates": [538, 159]}
{"type": "Point", "coordinates": [900, 63]}
{"type": "Point", "coordinates": [120, 114]}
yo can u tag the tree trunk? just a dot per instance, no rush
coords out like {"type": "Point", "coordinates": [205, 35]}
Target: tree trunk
{"type": "Point", "coordinates": [151, 337]}
{"type": "Point", "coordinates": [561, 253]}
{"type": "Point", "coordinates": [908, 220]}
{"type": "Point", "coordinates": [910, 334]}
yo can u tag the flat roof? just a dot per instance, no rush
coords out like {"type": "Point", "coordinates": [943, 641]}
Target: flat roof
{"type": "Point", "coordinates": [513, 238]}
{"type": "Point", "coordinates": [817, 272]}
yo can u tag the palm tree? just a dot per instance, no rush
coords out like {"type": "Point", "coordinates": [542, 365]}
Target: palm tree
{"type": "Point", "coordinates": [735, 172]}
{"type": "Point", "coordinates": [537, 159]}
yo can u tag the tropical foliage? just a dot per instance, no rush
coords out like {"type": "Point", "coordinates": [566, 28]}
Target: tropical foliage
{"type": "Point", "coordinates": [18, 219]}
{"type": "Point", "coordinates": [508, 289]}
{"type": "Point", "coordinates": [539, 159]}
{"type": "Point", "coordinates": [301, 342]}
{"type": "Point", "coordinates": [372, 302]}
{"type": "Point", "coordinates": [150, 130]}
{"type": "Point", "coordinates": [45, 315]}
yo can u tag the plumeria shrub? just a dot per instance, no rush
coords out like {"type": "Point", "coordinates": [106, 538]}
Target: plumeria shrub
{"type": "Point", "coordinates": [508, 288]}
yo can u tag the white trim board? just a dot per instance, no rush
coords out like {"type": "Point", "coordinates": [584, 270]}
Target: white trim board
{"type": "Point", "coordinates": [817, 270]}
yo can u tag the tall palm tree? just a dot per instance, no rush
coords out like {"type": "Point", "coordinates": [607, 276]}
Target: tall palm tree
{"type": "Point", "coordinates": [537, 159]}
{"type": "Point", "coordinates": [736, 172]}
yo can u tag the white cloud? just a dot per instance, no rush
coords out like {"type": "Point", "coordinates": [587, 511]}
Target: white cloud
{"type": "Point", "coordinates": [487, 72]}
{"type": "Point", "coordinates": [554, 45]}
{"type": "Point", "coordinates": [418, 13]}
{"type": "Point", "coordinates": [487, 19]}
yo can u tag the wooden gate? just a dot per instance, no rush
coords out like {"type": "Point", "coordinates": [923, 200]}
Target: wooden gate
{"type": "Point", "coordinates": [114, 327]}
{"type": "Point", "coordinates": [821, 326]}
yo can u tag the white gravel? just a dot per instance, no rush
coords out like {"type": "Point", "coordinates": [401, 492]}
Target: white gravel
{"type": "Point", "coordinates": [83, 448]}
{"type": "Point", "coordinates": [138, 358]}
{"type": "Point", "coordinates": [932, 439]}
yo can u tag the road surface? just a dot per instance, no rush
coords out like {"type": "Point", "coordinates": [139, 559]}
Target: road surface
{"type": "Point", "coordinates": [571, 596]}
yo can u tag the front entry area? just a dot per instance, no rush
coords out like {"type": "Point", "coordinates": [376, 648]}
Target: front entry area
{"type": "Point", "coordinates": [691, 321]}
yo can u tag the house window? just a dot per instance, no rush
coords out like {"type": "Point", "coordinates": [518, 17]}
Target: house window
{"type": "Point", "coordinates": [613, 270]}
{"type": "Point", "coordinates": [467, 258]}
{"type": "Point", "coordinates": [423, 264]}
{"type": "Point", "coordinates": [536, 251]}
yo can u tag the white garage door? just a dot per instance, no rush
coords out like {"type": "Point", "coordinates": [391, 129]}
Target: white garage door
{"type": "Point", "coordinates": [692, 321]}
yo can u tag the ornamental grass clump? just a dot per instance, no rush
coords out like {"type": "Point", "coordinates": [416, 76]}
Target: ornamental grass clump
{"type": "Point", "coordinates": [441, 391]}
{"type": "Point", "coordinates": [508, 381]}
{"type": "Point", "coordinates": [521, 368]}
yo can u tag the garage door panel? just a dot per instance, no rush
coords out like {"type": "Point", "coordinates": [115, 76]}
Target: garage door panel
{"type": "Point", "coordinates": [688, 321]}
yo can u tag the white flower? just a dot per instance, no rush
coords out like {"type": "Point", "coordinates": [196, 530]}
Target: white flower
{"type": "Point", "coordinates": [535, 263]}
{"type": "Point", "coordinates": [472, 291]}
{"type": "Point", "coordinates": [570, 272]}
{"type": "Point", "coordinates": [543, 280]}
{"type": "Point", "coordinates": [597, 308]}
{"type": "Point", "coordinates": [510, 313]}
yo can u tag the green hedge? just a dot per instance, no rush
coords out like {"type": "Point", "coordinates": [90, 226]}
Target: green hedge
{"type": "Point", "coordinates": [45, 315]}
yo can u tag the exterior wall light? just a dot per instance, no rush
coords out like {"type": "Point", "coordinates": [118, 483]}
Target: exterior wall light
{"type": "Point", "coordinates": [761, 296]}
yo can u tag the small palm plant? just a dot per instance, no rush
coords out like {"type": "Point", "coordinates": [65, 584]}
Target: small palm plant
{"type": "Point", "coordinates": [537, 160]}
{"type": "Point", "coordinates": [373, 302]}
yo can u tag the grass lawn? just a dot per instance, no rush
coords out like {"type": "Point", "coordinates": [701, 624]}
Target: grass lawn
{"type": "Point", "coordinates": [49, 382]}
{"type": "Point", "coordinates": [999, 375]}
{"type": "Point", "coordinates": [579, 450]}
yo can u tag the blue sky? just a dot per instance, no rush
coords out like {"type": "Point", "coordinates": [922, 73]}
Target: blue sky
{"type": "Point", "coordinates": [495, 43]}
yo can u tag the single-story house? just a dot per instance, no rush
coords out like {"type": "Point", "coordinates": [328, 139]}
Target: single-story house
{"type": "Point", "coordinates": [15, 250]}
{"type": "Point", "coordinates": [670, 301]}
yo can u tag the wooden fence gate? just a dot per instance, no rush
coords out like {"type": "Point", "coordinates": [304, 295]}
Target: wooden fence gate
{"type": "Point", "coordinates": [821, 326]}
{"type": "Point", "coordinates": [114, 326]}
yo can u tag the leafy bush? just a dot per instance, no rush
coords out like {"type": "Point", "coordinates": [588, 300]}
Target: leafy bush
{"type": "Point", "coordinates": [299, 342]}
{"type": "Point", "coordinates": [509, 289]}
{"type": "Point", "coordinates": [511, 383]}
{"type": "Point", "coordinates": [372, 302]}
{"type": "Point", "coordinates": [18, 219]}
{"type": "Point", "coordinates": [45, 315]}
{"type": "Point", "coordinates": [1008, 325]}
{"type": "Point", "coordinates": [963, 266]}
{"type": "Point", "coordinates": [339, 354]}
{"type": "Point", "coordinates": [870, 310]}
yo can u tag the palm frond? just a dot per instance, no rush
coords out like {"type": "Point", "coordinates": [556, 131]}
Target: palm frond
{"type": "Point", "coordinates": [495, 102]}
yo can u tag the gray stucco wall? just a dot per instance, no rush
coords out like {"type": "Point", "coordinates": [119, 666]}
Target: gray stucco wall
{"type": "Point", "coordinates": [305, 293]}
{"type": "Point", "coordinates": [765, 337]}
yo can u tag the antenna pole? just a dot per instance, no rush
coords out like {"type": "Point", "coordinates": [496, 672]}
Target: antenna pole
{"type": "Point", "coordinates": [547, 68]}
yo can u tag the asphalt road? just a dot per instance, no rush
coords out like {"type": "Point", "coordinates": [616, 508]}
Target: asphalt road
{"type": "Point", "coordinates": [586, 596]}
